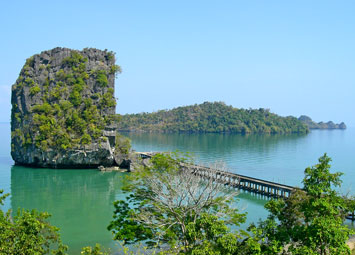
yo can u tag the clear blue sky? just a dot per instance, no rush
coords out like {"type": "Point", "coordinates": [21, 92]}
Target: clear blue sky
{"type": "Point", "coordinates": [294, 57]}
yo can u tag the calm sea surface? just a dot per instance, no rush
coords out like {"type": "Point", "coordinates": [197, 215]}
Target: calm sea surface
{"type": "Point", "coordinates": [80, 201]}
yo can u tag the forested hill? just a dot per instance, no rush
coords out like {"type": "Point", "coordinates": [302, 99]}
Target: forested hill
{"type": "Point", "coordinates": [209, 117]}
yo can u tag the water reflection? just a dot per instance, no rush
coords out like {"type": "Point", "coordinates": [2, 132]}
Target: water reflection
{"type": "Point", "coordinates": [223, 143]}
{"type": "Point", "coordinates": [80, 201]}
{"type": "Point", "coordinates": [267, 157]}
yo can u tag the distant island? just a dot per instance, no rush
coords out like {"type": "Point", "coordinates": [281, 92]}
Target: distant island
{"type": "Point", "coordinates": [320, 125]}
{"type": "Point", "coordinates": [208, 117]}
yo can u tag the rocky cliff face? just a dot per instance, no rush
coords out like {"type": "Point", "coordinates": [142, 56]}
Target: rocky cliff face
{"type": "Point", "coordinates": [63, 107]}
{"type": "Point", "coordinates": [321, 125]}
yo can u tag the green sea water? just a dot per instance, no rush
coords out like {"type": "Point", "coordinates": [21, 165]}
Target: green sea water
{"type": "Point", "coordinates": [80, 201]}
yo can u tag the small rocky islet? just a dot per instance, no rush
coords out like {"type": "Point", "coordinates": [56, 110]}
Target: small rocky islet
{"type": "Point", "coordinates": [63, 111]}
{"type": "Point", "coordinates": [320, 125]}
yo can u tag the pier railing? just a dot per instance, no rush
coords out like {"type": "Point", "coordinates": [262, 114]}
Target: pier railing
{"type": "Point", "coordinates": [251, 184]}
{"type": "Point", "coordinates": [255, 185]}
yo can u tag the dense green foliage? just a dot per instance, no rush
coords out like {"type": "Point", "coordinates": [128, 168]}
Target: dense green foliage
{"type": "Point", "coordinates": [34, 90]}
{"type": "Point", "coordinates": [212, 118]}
{"type": "Point", "coordinates": [96, 250]}
{"type": "Point", "coordinates": [28, 233]}
{"type": "Point", "coordinates": [310, 221]}
{"type": "Point", "coordinates": [174, 212]}
{"type": "Point", "coordinates": [67, 116]}
{"type": "Point", "coordinates": [170, 209]}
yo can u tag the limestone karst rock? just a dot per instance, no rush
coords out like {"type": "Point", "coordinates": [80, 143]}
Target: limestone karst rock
{"type": "Point", "coordinates": [63, 110]}
{"type": "Point", "coordinates": [320, 125]}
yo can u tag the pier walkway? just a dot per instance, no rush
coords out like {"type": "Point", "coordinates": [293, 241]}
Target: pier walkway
{"type": "Point", "coordinates": [251, 184]}
{"type": "Point", "coordinates": [266, 188]}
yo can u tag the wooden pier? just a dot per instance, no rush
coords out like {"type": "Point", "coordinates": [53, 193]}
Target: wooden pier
{"type": "Point", "coordinates": [254, 185]}
{"type": "Point", "coordinates": [351, 216]}
{"type": "Point", "coordinates": [263, 187]}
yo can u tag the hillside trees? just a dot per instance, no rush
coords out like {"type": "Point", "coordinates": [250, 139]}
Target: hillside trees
{"type": "Point", "coordinates": [28, 232]}
{"type": "Point", "coordinates": [171, 209]}
{"type": "Point", "coordinates": [214, 117]}
{"type": "Point", "coordinates": [310, 221]}
{"type": "Point", "coordinates": [177, 212]}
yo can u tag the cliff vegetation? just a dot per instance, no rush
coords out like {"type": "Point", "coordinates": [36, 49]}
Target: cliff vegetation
{"type": "Point", "coordinates": [62, 101]}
